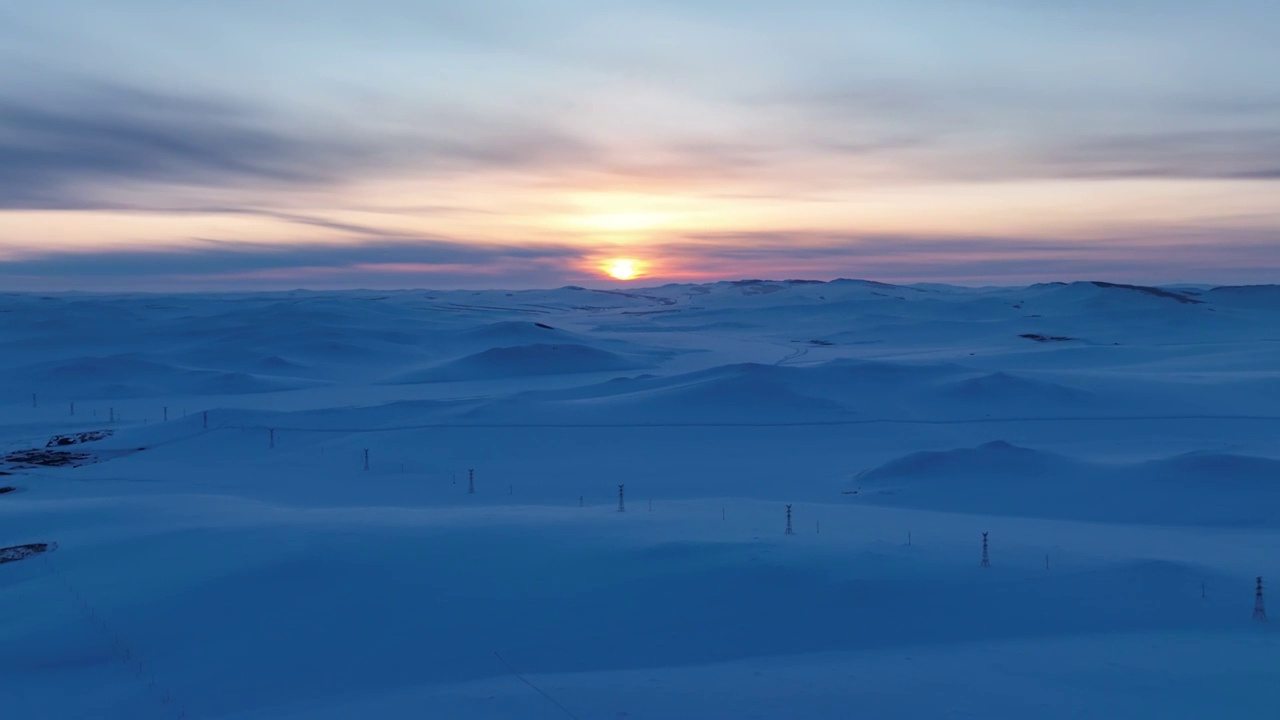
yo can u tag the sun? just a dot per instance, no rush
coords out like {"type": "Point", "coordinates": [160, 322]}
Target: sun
{"type": "Point", "coordinates": [622, 268]}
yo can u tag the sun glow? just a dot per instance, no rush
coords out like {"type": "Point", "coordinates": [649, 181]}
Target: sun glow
{"type": "Point", "coordinates": [622, 222]}
{"type": "Point", "coordinates": [623, 268]}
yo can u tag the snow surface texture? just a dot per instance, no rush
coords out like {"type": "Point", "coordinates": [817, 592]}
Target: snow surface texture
{"type": "Point", "coordinates": [237, 561]}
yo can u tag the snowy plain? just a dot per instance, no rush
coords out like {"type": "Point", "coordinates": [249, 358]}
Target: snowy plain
{"type": "Point", "coordinates": [238, 561]}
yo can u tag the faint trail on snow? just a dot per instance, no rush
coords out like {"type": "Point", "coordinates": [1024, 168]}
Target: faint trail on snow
{"type": "Point", "coordinates": [796, 354]}
{"type": "Point", "coordinates": [535, 687]}
{"type": "Point", "coordinates": [799, 423]}
{"type": "Point", "coordinates": [121, 651]}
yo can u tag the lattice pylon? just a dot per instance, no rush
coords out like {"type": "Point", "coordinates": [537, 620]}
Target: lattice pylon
{"type": "Point", "coordinates": [1259, 607]}
{"type": "Point", "coordinates": [986, 556]}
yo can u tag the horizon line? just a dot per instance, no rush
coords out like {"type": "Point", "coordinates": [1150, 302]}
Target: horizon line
{"type": "Point", "coordinates": [635, 288]}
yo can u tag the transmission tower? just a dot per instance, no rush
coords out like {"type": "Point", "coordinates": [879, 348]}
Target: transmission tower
{"type": "Point", "coordinates": [471, 482]}
{"type": "Point", "coordinates": [986, 558]}
{"type": "Point", "coordinates": [622, 506]}
{"type": "Point", "coordinates": [789, 530]}
{"type": "Point", "coordinates": [1259, 608]}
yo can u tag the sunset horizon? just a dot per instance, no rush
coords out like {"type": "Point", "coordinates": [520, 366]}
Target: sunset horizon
{"type": "Point", "coordinates": [639, 359]}
{"type": "Point", "coordinates": [529, 145]}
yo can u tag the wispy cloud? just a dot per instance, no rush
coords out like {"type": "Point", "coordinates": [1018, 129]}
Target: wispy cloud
{"type": "Point", "coordinates": [220, 257]}
{"type": "Point", "coordinates": [52, 152]}
{"type": "Point", "coordinates": [72, 150]}
{"type": "Point", "coordinates": [1247, 154]}
{"type": "Point", "coordinates": [1193, 255]}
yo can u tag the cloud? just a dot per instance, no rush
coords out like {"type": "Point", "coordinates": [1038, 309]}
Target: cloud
{"type": "Point", "coordinates": [49, 152]}
{"type": "Point", "coordinates": [1015, 127]}
{"type": "Point", "coordinates": [1201, 154]}
{"type": "Point", "coordinates": [102, 145]}
{"type": "Point", "coordinates": [1143, 256]}
{"type": "Point", "coordinates": [964, 150]}
{"type": "Point", "coordinates": [223, 259]}
{"type": "Point", "coordinates": [74, 150]}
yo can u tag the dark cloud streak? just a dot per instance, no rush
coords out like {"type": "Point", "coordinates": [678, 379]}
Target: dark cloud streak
{"type": "Point", "coordinates": [68, 152]}
{"type": "Point", "coordinates": [49, 152]}
{"type": "Point", "coordinates": [216, 257]}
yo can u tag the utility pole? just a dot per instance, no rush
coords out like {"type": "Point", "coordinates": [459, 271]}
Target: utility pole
{"type": "Point", "coordinates": [112, 418]}
{"type": "Point", "coordinates": [789, 530]}
{"type": "Point", "coordinates": [622, 504]}
{"type": "Point", "coordinates": [366, 458]}
{"type": "Point", "coordinates": [73, 409]}
{"type": "Point", "coordinates": [271, 435]}
{"type": "Point", "coordinates": [205, 415]}
{"type": "Point", "coordinates": [471, 482]}
{"type": "Point", "coordinates": [33, 400]}
{"type": "Point", "coordinates": [166, 413]}
{"type": "Point", "coordinates": [1259, 609]}
{"type": "Point", "coordinates": [986, 558]}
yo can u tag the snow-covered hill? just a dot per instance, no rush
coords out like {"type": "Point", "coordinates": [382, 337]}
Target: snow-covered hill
{"type": "Point", "coordinates": [279, 524]}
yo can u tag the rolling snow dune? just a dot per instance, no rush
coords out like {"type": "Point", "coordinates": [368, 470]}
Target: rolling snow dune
{"type": "Point", "coordinates": [827, 392]}
{"type": "Point", "coordinates": [1004, 388]}
{"type": "Point", "coordinates": [1254, 297]}
{"type": "Point", "coordinates": [740, 394]}
{"type": "Point", "coordinates": [1001, 478]}
{"type": "Point", "coordinates": [511, 333]}
{"type": "Point", "coordinates": [131, 376]}
{"type": "Point", "coordinates": [521, 360]}
{"type": "Point", "coordinates": [745, 393]}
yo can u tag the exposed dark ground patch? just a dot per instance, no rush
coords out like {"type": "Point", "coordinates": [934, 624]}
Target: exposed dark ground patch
{"type": "Point", "coordinates": [51, 458]}
{"type": "Point", "coordinates": [29, 459]}
{"type": "Point", "coordinates": [78, 438]}
{"type": "Point", "coordinates": [22, 552]}
{"type": "Point", "coordinates": [1046, 338]}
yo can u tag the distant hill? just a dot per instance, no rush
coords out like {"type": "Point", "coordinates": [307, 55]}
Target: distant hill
{"type": "Point", "coordinates": [1199, 488]}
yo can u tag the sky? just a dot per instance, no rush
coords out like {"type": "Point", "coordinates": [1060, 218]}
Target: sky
{"type": "Point", "coordinates": [159, 145]}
